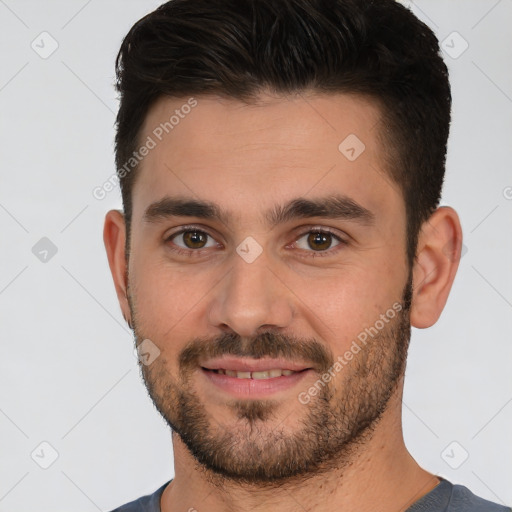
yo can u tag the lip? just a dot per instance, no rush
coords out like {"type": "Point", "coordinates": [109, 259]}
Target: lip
{"type": "Point", "coordinates": [253, 388]}
{"type": "Point", "coordinates": [253, 365]}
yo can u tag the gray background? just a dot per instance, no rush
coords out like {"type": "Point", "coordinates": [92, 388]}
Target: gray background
{"type": "Point", "coordinates": [68, 375]}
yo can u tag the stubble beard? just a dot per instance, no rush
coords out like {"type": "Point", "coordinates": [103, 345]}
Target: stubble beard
{"type": "Point", "coordinates": [256, 448]}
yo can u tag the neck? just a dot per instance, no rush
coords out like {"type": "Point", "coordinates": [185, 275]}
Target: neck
{"type": "Point", "coordinates": [381, 471]}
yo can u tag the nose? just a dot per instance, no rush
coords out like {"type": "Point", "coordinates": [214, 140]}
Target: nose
{"type": "Point", "coordinates": [251, 298]}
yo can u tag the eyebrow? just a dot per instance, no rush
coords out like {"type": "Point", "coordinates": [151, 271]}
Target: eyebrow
{"type": "Point", "coordinates": [330, 207]}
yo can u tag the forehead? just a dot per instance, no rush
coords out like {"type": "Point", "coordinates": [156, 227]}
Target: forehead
{"type": "Point", "coordinates": [248, 156]}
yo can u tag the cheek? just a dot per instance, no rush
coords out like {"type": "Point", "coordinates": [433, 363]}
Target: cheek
{"type": "Point", "coordinates": [171, 302]}
{"type": "Point", "coordinates": [339, 308]}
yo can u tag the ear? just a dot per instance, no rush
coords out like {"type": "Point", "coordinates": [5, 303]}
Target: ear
{"type": "Point", "coordinates": [437, 259]}
{"type": "Point", "coordinates": [114, 237]}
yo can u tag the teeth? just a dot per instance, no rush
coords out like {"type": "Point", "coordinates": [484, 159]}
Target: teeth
{"type": "Point", "coordinates": [266, 374]}
{"type": "Point", "coordinates": [260, 375]}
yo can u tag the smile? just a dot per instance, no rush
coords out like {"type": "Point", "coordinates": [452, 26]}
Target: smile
{"type": "Point", "coordinates": [265, 374]}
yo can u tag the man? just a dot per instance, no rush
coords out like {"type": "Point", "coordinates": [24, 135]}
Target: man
{"type": "Point", "coordinates": [281, 165]}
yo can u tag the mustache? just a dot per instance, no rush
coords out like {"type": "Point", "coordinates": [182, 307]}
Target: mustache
{"type": "Point", "coordinates": [267, 344]}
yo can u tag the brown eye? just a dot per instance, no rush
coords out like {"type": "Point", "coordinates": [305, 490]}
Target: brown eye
{"type": "Point", "coordinates": [318, 241]}
{"type": "Point", "coordinates": [192, 239]}
{"type": "Point", "coordinates": [195, 239]}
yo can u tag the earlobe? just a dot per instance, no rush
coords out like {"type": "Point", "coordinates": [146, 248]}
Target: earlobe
{"type": "Point", "coordinates": [114, 237]}
{"type": "Point", "coordinates": [437, 259]}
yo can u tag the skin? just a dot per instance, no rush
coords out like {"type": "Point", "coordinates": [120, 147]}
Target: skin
{"type": "Point", "coordinates": [247, 159]}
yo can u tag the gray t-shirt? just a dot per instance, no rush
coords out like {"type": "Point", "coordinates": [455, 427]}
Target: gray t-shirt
{"type": "Point", "coordinates": [445, 497]}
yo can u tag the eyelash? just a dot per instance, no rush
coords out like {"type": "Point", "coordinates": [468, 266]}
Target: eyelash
{"type": "Point", "coordinates": [312, 254]}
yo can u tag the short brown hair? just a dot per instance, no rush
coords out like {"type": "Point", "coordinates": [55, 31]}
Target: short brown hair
{"type": "Point", "coordinates": [238, 48]}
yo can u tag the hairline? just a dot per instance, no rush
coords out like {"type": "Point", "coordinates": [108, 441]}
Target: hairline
{"type": "Point", "coordinates": [384, 128]}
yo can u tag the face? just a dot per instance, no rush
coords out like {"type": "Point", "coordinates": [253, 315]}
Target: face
{"type": "Point", "coordinates": [269, 237]}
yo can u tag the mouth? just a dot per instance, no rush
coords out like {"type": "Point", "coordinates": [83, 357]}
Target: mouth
{"type": "Point", "coordinates": [260, 375]}
{"type": "Point", "coordinates": [253, 378]}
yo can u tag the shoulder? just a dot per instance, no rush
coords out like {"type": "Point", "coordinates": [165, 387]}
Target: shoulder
{"type": "Point", "coordinates": [448, 497]}
{"type": "Point", "coordinates": [148, 503]}
{"type": "Point", "coordinates": [463, 500]}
